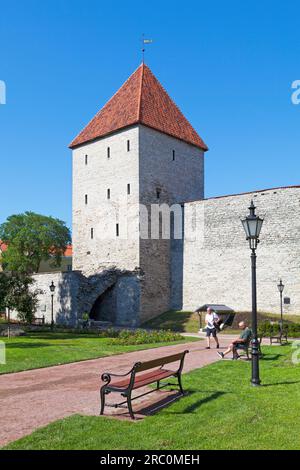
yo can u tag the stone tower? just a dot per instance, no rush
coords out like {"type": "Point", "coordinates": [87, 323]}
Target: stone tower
{"type": "Point", "coordinates": [139, 150]}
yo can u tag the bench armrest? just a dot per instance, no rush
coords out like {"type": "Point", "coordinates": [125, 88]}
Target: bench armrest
{"type": "Point", "coordinates": [106, 377]}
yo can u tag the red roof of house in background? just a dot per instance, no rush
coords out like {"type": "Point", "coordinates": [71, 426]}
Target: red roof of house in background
{"type": "Point", "coordinates": [68, 252]}
{"type": "Point", "coordinates": [141, 100]}
{"type": "Point", "coordinates": [3, 246]}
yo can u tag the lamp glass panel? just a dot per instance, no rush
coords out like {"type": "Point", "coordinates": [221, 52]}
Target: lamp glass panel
{"type": "Point", "coordinates": [252, 225]}
{"type": "Point", "coordinates": [245, 225]}
{"type": "Point", "coordinates": [259, 226]}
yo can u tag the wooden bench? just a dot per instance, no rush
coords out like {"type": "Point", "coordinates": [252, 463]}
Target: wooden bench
{"type": "Point", "coordinates": [281, 337]}
{"type": "Point", "coordinates": [139, 377]}
{"type": "Point", "coordinates": [247, 347]}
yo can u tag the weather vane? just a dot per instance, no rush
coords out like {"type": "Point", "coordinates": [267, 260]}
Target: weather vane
{"type": "Point", "coordinates": [145, 41]}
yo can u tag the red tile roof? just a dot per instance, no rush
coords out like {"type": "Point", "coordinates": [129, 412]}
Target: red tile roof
{"type": "Point", "coordinates": [141, 100]}
{"type": "Point", "coordinates": [68, 252]}
{"type": "Point", "coordinates": [3, 246]}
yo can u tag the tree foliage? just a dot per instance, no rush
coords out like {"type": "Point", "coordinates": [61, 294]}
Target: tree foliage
{"type": "Point", "coordinates": [31, 239]}
{"type": "Point", "coordinates": [17, 293]}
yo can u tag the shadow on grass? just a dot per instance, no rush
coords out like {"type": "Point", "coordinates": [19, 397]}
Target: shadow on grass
{"type": "Point", "coordinates": [271, 357]}
{"type": "Point", "coordinates": [54, 336]}
{"type": "Point", "coordinates": [264, 357]}
{"type": "Point", "coordinates": [27, 345]}
{"type": "Point", "coordinates": [194, 406]}
{"type": "Point", "coordinates": [160, 404]}
{"type": "Point", "coordinates": [165, 402]}
{"type": "Point", "coordinates": [281, 383]}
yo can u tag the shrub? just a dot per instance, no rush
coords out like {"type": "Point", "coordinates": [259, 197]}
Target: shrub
{"type": "Point", "coordinates": [267, 328]}
{"type": "Point", "coordinates": [129, 337]}
{"type": "Point", "coordinates": [118, 336]}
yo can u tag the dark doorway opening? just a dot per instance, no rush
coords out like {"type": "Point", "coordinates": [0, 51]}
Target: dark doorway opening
{"type": "Point", "coordinates": [104, 308]}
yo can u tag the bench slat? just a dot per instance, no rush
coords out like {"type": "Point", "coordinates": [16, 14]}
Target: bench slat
{"type": "Point", "coordinates": [143, 379]}
{"type": "Point", "coordinates": [158, 362]}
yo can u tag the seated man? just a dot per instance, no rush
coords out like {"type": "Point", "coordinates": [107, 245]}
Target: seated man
{"type": "Point", "coordinates": [241, 342]}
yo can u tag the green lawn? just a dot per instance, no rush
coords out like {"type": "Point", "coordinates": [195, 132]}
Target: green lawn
{"type": "Point", "coordinates": [188, 322]}
{"type": "Point", "coordinates": [47, 349]}
{"type": "Point", "coordinates": [221, 411]}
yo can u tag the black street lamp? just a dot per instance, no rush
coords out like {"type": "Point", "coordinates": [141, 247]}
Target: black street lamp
{"type": "Point", "coordinates": [52, 289]}
{"type": "Point", "coordinates": [252, 225]}
{"type": "Point", "coordinates": [280, 287]}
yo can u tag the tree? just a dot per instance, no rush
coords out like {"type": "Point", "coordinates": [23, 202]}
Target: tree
{"type": "Point", "coordinates": [3, 291]}
{"type": "Point", "coordinates": [31, 239]}
{"type": "Point", "coordinates": [16, 293]}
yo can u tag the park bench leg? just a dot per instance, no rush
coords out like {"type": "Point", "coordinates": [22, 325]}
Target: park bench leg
{"type": "Point", "coordinates": [102, 400]}
{"type": "Point", "coordinates": [180, 383]}
{"type": "Point", "coordinates": [130, 406]}
{"type": "Point", "coordinates": [157, 385]}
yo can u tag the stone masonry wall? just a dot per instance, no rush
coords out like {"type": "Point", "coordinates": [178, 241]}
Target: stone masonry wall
{"type": "Point", "coordinates": [64, 300]}
{"type": "Point", "coordinates": [93, 179]}
{"type": "Point", "coordinates": [76, 294]}
{"type": "Point", "coordinates": [179, 180]}
{"type": "Point", "coordinates": [148, 166]}
{"type": "Point", "coordinates": [217, 256]}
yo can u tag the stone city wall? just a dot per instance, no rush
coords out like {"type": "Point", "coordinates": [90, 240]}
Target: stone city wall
{"type": "Point", "coordinates": [216, 267]}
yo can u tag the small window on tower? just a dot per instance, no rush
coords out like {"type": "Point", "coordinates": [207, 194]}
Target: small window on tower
{"type": "Point", "coordinates": [128, 188]}
{"type": "Point", "coordinates": [117, 230]}
{"type": "Point", "coordinates": [158, 191]}
{"type": "Point", "coordinates": [128, 145]}
{"type": "Point", "coordinates": [173, 155]}
{"type": "Point", "coordinates": [86, 159]}
{"type": "Point", "coordinates": [108, 152]}
{"type": "Point", "coordinates": [108, 194]}
{"type": "Point", "coordinates": [86, 199]}
{"type": "Point", "coordinates": [92, 233]}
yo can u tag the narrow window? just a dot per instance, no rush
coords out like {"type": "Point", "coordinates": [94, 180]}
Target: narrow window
{"type": "Point", "coordinates": [86, 159]}
{"type": "Point", "coordinates": [173, 155]}
{"type": "Point", "coordinates": [128, 145]}
{"type": "Point", "coordinates": [86, 199]}
{"type": "Point", "coordinates": [117, 230]}
{"type": "Point", "coordinates": [158, 191]}
{"type": "Point", "coordinates": [108, 194]}
{"type": "Point", "coordinates": [128, 188]}
{"type": "Point", "coordinates": [92, 233]}
{"type": "Point", "coordinates": [108, 152]}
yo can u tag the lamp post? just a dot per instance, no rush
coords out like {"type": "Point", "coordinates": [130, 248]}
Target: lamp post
{"type": "Point", "coordinates": [52, 289]}
{"type": "Point", "coordinates": [252, 225]}
{"type": "Point", "coordinates": [280, 287]}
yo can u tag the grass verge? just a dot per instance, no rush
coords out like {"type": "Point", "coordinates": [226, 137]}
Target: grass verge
{"type": "Point", "coordinates": [221, 411]}
{"type": "Point", "coordinates": [48, 349]}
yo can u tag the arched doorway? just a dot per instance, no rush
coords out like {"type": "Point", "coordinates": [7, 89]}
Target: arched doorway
{"type": "Point", "coordinates": [104, 307]}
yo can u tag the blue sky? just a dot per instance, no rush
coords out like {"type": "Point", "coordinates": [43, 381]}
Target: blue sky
{"type": "Point", "coordinates": [228, 65]}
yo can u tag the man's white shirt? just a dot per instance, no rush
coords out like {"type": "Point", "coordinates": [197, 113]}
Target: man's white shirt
{"type": "Point", "coordinates": [210, 318]}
